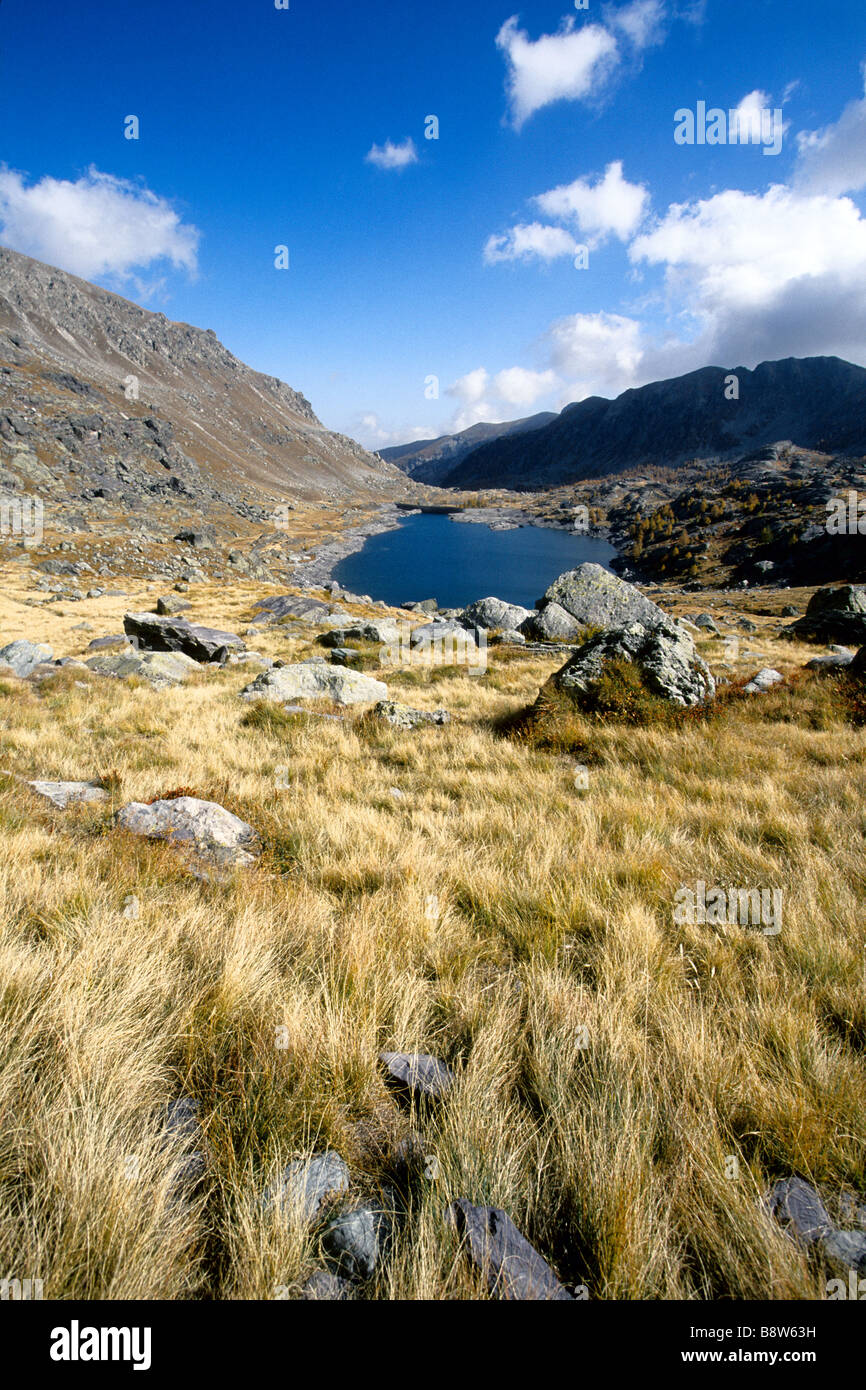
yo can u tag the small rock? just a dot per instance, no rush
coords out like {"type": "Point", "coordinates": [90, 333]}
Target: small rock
{"type": "Point", "coordinates": [63, 794]}
{"type": "Point", "coordinates": [514, 1270]}
{"type": "Point", "coordinates": [324, 1286]}
{"type": "Point", "coordinates": [354, 1240]}
{"type": "Point", "coordinates": [307, 1183]}
{"type": "Point", "coordinates": [416, 1075]}
{"type": "Point", "coordinates": [404, 717]}
{"type": "Point", "coordinates": [765, 679]}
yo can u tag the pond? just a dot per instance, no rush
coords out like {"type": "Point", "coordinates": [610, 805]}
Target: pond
{"type": "Point", "coordinates": [431, 556]}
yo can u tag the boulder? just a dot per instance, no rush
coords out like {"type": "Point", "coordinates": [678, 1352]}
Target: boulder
{"type": "Point", "coordinates": [598, 598]}
{"type": "Point", "coordinates": [316, 680]}
{"type": "Point", "coordinates": [416, 1075]}
{"type": "Point", "coordinates": [160, 669]}
{"type": "Point", "coordinates": [552, 624]}
{"type": "Point", "coordinates": [763, 681]}
{"type": "Point", "coordinates": [170, 604]}
{"type": "Point", "coordinates": [664, 654]}
{"type": "Point", "coordinates": [379, 630]}
{"type": "Point", "coordinates": [833, 615]}
{"type": "Point", "coordinates": [155, 634]}
{"type": "Point", "coordinates": [63, 794]}
{"type": "Point", "coordinates": [709, 624]}
{"type": "Point", "coordinates": [494, 612]}
{"type": "Point", "coordinates": [269, 610]}
{"type": "Point", "coordinates": [512, 1267]}
{"type": "Point", "coordinates": [23, 657]}
{"type": "Point", "coordinates": [509, 637]}
{"type": "Point", "coordinates": [307, 1183]}
{"type": "Point", "coordinates": [799, 1209]}
{"type": "Point", "coordinates": [404, 717]}
{"type": "Point", "coordinates": [115, 639]}
{"type": "Point", "coordinates": [448, 636]}
{"type": "Point", "coordinates": [201, 826]}
{"type": "Point", "coordinates": [831, 661]}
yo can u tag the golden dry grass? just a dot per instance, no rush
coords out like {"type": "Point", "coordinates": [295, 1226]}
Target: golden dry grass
{"type": "Point", "coordinates": [610, 1062]}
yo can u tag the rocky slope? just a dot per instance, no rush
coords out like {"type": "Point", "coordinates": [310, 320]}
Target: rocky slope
{"type": "Point", "coordinates": [102, 400]}
{"type": "Point", "coordinates": [818, 402]}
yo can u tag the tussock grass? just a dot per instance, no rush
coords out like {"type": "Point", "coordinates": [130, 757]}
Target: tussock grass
{"type": "Point", "coordinates": [610, 1062]}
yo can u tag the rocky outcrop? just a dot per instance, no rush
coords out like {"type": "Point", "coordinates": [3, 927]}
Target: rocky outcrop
{"type": "Point", "coordinates": [664, 655]}
{"type": "Point", "coordinates": [156, 634]}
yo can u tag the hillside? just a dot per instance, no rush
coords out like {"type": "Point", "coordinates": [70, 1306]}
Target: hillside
{"type": "Point", "coordinates": [194, 424]}
{"type": "Point", "coordinates": [817, 402]}
{"type": "Point", "coordinates": [430, 460]}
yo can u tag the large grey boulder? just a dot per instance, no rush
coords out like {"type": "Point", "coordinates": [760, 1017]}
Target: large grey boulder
{"type": "Point", "coordinates": [316, 680]}
{"type": "Point", "coordinates": [664, 655]}
{"type": "Point", "coordinates": [377, 630]}
{"type": "Point", "coordinates": [23, 657]}
{"type": "Point", "coordinates": [162, 670]}
{"type": "Point", "coordinates": [404, 717]}
{"type": "Point", "coordinates": [551, 624]}
{"type": "Point", "coordinates": [306, 1184]}
{"type": "Point", "coordinates": [416, 1075]}
{"type": "Point", "coordinates": [597, 598]}
{"type": "Point", "coordinates": [833, 615]}
{"type": "Point", "coordinates": [494, 612]}
{"type": "Point", "coordinates": [269, 610]}
{"type": "Point", "coordinates": [204, 827]}
{"type": "Point", "coordinates": [512, 1267]}
{"type": "Point", "coordinates": [64, 794]}
{"type": "Point", "coordinates": [156, 634]}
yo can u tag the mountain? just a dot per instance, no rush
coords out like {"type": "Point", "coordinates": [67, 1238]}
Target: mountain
{"type": "Point", "coordinates": [818, 402]}
{"type": "Point", "coordinates": [429, 460]}
{"type": "Point", "coordinates": [102, 400]}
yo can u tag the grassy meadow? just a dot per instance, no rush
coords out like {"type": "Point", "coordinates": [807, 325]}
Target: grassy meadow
{"type": "Point", "coordinates": [611, 1064]}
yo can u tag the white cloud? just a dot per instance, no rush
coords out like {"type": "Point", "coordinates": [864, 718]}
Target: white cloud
{"type": "Point", "coordinates": [97, 226]}
{"type": "Point", "coordinates": [494, 399]}
{"type": "Point", "coordinates": [529, 241]}
{"type": "Point", "coordinates": [640, 21]}
{"type": "Point", "coordinates": [763, 276]}
{"type": "Point", "coordinates": [391, 156]}
{"type": "Point", "coordinates": [596, 353]}
{"type": "Point", "coordinates": [612, 204]}
{"type": "Point", "coordinates": [833, 160]}
{"type": "Point", "coordinates": [569, 65]}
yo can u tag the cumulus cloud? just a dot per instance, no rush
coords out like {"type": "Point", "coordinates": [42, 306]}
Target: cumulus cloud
{"type": "Point", "coordinates": [97, 225]}
{"type": "Point", "coordinates": [570, 65]}
{"type": "Point", "coordinates": [504, 396]}
{"type": "Point", "coordinates": [530, 241]}
{"type": "Point", "coordinates": [611, 205]}
{"type": "Point", "coordinates": [596, 353]}
{"type": "Point", "coordinates": [764, 275]}
{"type": "Point", "coordinates": [575, 63]}
{"type": "Point", "coordinates": [833, 160]}
{"type": "Point", "coordinates": [391, 156]}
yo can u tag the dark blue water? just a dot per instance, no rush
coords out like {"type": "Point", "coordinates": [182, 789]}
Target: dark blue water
{"type": "Point", "coordinates": [455, 562]}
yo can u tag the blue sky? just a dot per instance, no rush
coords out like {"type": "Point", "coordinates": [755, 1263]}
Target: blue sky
{"type": "Point", "coordinates": [456, 258]}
